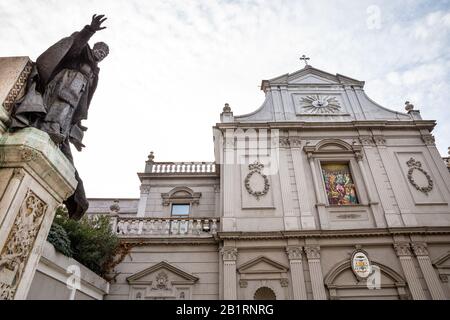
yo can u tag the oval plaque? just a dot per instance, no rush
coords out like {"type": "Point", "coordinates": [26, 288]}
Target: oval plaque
{"type": "Point", "coordinates": [361, 265]}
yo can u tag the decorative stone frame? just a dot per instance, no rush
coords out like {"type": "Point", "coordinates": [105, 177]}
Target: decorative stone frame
{"type": "Point", "coordinates": [442, 264]}
{"type": "Point", "coordinates": [337, 151]}
{"type": "Point", "coordinates": [181, 195]}
{"type": "Point", "coordinates": [399, 282]}
{"type": "Point", "coordinates": [275, 278]}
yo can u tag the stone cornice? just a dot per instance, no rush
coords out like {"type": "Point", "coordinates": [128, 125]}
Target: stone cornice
{"type": "Point", "coordinates": [177, 175]}
{"type": "Point", "coordinates": [337, 125]}
{"type": "Point", "coordinates": [33, 150]}
{"type": "Point", "coordinates": [333, 233]}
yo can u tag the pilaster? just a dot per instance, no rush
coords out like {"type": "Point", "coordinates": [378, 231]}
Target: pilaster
{"type": "Point", "coordinates": [403, 252]}
{"type": "Point", "coordinates": [297, 276]}
{"type": "Point", "coordinates": [315, 270]}
{"type": "Point", "coordinates": [431, 278]}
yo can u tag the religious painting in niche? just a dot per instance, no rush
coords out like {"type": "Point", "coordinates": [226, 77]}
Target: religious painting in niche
{"type": "Point", "coordinates": [339, 184]}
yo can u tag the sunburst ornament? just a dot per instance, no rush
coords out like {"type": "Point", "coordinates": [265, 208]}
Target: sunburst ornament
{"type": "Point", "coordinates": [320, 104]}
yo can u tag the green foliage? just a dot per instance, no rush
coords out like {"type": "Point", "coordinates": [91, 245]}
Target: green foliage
{"type": "Point", "coordinates": [60, 240]}
{"type": "Point", "coordinates": [92, 241]}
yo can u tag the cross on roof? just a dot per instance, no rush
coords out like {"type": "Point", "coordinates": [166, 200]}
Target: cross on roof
{"type": "Point", "coordinates": [305, 59]}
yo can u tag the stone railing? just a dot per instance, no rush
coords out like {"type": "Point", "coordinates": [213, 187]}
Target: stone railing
{"type": "Point", "coordinates": [180, 167]}
{"type": "Point", "coordinates": [163, 227]}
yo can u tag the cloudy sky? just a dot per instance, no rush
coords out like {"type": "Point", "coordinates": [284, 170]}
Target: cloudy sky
{"type": "Point", "coordinates": [173, 64]}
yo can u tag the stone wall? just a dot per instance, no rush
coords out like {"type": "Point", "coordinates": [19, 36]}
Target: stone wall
{"type": "Point", "coordinates": [50, 280]}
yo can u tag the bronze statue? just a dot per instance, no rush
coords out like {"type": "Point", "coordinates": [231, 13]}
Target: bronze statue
{"type": "Point", "coordinates": [59, 92]}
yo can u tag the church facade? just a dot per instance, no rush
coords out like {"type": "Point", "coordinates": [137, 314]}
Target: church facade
{"type": "Point", "coordinates": [321, 193]}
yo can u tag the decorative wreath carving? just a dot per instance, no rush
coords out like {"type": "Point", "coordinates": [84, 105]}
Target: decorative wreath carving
{"type": "Point", "coordinates": [255, 168]}
{"type": "Point", "coordinates": [417, 165]}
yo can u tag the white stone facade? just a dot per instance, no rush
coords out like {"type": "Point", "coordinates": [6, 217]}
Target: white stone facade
{"type": "Point", "coordinates": [261, 223]}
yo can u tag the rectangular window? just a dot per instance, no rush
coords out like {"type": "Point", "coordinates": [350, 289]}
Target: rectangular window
{"type": "Point", "coordinates": [339, 184]}
{"type": "Point", "coordinates": [180, 209]}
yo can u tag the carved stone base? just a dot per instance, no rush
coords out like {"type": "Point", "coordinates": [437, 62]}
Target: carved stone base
{"type": "Point", "coordinates": [35, 177]}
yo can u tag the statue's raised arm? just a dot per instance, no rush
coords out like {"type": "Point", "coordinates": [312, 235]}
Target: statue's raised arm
{"type": "Point", "coordinates": [59, 93]}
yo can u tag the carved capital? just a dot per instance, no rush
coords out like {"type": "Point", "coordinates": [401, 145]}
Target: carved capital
{"type": "Point", "coordinates": [312, 252]}
{"type": "Point", "coordinates": [144, 189]}
{"type": "Point", "coordinates": [229, 253]}
{"type": "Point", "coordinates": [294, 253]}
{"type": "Point", "coordinates": [402, 249]}
{"type": "Point", "coordinates": [27, 154]}
{"type": "Point", "coordinates": [18, 174]}
{"type": "Point", "coordinates": [284, 282]}
{"type": "Point", "coordinates": [428, 139]}
{"type": "Point", "coordinates": [295, 142]}
{"type": "Point", "coordinates": [443, 277]}
{"type": "Point", "coordinates": [358, 156]}
{"type": "Point", "coordinates": [379, 140]}
{"type": "Point", "coordinates": [243, 283]}
{"type": "Point", "coordinates": [420, 249]}
{"type": "Point", "coordinates": [366, 140]}
{"type": "Point", "coordinates": [284, 142]}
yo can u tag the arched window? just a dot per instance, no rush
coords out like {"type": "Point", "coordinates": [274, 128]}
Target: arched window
{"type": "Point", "coordinates": [264, 293]}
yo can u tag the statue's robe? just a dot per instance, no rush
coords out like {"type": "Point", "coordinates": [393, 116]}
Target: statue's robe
{"type": "Point", "coordinates": [58, 96]}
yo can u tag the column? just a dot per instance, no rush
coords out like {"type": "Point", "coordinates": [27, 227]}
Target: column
{"type": "Point", "coordinates": [297, 277]}
{"type": "Point", "coordinates": [315, 271]}
{"type": "Point", "coordinates": [229, 256]}
{"type": "Point", "coordinates": [404, 254]}
{"type": "Point", "coordinates": [36, 177]}
{"type": "Point", "coordinates": [431, 279]}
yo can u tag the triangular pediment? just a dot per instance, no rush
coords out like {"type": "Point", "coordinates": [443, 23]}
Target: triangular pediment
{"type": "Point", "coordinates": [262, 265]}
{"type": "Point", "coordinates": [443, 262]}
{"type": "Point", "coordinates": [174, 274]}
{"type": "Point", "coordinates": [311, 75]}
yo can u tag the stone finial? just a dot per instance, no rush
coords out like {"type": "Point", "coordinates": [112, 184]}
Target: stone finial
{"type": "Point", "coordinates": [115, 206]}
{"type": "Point", "coordinates": [226, 108]}
{"type": "Point", "coordinates": [151, 157]}
{"type": "Point", "coordinates": [408, 106]}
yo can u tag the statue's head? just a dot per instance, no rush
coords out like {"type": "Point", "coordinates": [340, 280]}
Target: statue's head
{"type": "Point", "coordinates": [100, 51]}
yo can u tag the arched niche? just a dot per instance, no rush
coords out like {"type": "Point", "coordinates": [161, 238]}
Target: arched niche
{"type": "Point", "coordinates": [264, 293]}
{"type": "Point", "coordinates": [342, 284]}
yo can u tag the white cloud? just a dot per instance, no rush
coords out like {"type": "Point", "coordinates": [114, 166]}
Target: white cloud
{"type": "Point", "coordinates": [173, 64]}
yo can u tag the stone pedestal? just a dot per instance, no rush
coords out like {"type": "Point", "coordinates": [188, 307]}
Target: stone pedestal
{"type": "Point", "coordinates": [35, 177]}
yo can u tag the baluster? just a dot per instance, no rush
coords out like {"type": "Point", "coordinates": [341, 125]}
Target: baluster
{"type": "Point", "coordinates": [184, 226]}
{"type": "Point", "coordinates": [206, 227]}
{"type": "Point", "coordinates": [140, 224]}
{"type": "Point", "coordinates": [119, 227]}
{"type": "Point", "coordinates": [214, 226]}
{"type": "Point", "coordinates": [125, 227]}
{"type": "Point", "coordinates": [160, 227]}
{"type": "Point", "coordinates": [198, 227]}
{"type": "Point", "coordinates": [190, 226]}
{"type": "Point", "coordinates": [166, 227]}
{"type": "Point", "coordinates": [152, 226]}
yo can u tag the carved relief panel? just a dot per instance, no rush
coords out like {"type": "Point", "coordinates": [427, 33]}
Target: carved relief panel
{"type": "Point", "coordinates": [19, 244]}
{"type": "Point", "coordinates": [256, 186]}
{"type": "Point", "coordinates": [419, 179]}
